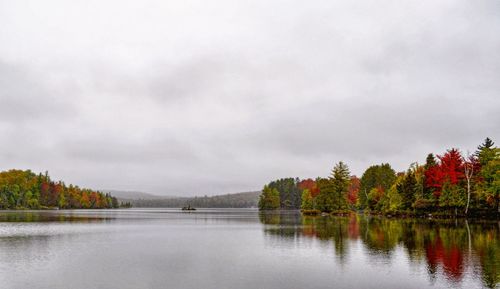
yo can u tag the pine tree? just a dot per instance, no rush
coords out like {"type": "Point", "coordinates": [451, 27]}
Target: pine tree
{"type": "Point", "coordinates": [325, 201]}
{"type": "Point", "coordinates": [430, 161]}
{"type": "Point", "coordinates": [430, 164]}
{"type": "Point", "coordinates": [408, 189]}
{"type": "Point", "coordinates": [485, 152]}
{"type": "Point", "coordinates": [269, 199]}
{"type": "Point", "coordinates": [340, 180]}
{"type": "Point", "coordinates": [488, 185]}
{"type": "Point", "coordinates": [488, 143]}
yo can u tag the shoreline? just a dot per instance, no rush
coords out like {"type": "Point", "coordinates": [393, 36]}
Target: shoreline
{"type": "Point", "coordinates": [395, 215]}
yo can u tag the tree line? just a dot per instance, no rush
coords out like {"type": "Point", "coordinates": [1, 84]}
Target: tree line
{"type": "Point", "coordinates": [452, 183]}
{"type": "Point", "coordinates": [26, 190]}
{"type": "Point", "coordinates": [237, 200]}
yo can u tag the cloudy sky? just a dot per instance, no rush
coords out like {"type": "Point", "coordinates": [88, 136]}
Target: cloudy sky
{"type": "Point", "coordinates": [204, 97]}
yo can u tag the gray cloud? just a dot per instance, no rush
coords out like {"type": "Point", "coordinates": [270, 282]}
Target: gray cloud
{"type": "Point", "coordinates": [24, 96]}
{"type": "Point", "coordinates": [197, 97]}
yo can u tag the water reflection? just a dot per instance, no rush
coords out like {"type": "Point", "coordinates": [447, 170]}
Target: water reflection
{"type": "Point", "coordinates": [450, 249]}
{"type": "Point", "coordinates": [50, 216]}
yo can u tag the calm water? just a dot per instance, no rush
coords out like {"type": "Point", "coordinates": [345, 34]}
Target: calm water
{"type": "Point", "coordinates": [238, 248]}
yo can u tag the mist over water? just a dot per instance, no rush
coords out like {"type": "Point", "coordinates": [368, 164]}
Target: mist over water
{"type": "Point", "coordinates": [242, 248]}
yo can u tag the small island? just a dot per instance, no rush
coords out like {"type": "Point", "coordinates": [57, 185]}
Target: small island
{"type": "Point", "coordinates": [449, 185]}
{"type": "Point", "coordinates": [188, 208]}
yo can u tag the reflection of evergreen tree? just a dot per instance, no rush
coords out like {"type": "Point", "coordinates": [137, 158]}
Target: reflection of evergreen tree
{"type": "Point", "coordinates": [381, 236]}
{"type": "Point", "coordinates": [486, 244]}
{"type": "Point", "coordinates": [283, 223]}
{"type": "Point", "coordinates": [329, 229]}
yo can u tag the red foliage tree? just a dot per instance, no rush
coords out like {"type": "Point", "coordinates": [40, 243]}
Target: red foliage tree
{"type": "Point", "coordinates": [84, 201]}
{"type": "Point", "coordinates": [44, 192]}
{"type": "Point", "coordinates": [352, 192]}
{"type": "Point", "coordinates": [94, 200]}
{"type": "Point", "coordinates": [310, 185]}
{"type": "Point", "coordinates": [55, 191]}
{"type": "Point", "coordinates": [449, 169]}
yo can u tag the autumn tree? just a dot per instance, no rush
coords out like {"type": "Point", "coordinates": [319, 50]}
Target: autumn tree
{"type": "Point", "coordinates": [94, 200]}
{"type": "Point", "coordinates": [379, 177]}
{"type": "Point", "coordinates": [307, 200]}
{"type": "Point", "coordinates": [309, 184]}
{"type": "Point", "coordinates": [392, 201]}
{"type": "Point", "coordinates": [85, 201]}
{"type": "Point", "coordinates": [353, 191]}
{"type": "Point", "coordinates": [445, 179]}
{"type": "Point", "coordinates": [449, 169]}
{"type": "Point", "coordinates": [374, 197]}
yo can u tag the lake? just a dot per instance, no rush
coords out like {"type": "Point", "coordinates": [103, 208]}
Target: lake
{"type": "Point", "coordinates": [240, 248]}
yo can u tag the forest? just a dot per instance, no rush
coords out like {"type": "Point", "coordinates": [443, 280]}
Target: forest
{"type": "Point", "coordinates": [449, 184]}
{"type": "Point", "coordinates": [26, 190]}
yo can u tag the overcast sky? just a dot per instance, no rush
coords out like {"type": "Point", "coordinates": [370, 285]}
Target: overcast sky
{"type": "Point", "coordinates": [204, 97]}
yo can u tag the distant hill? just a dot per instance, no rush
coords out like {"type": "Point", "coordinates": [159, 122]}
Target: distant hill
{"type": "Point", "coordinates": [237, 200]}
{"type": "Point", "coordinates": [131, 195]}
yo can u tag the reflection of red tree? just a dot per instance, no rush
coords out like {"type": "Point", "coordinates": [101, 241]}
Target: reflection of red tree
{"type": "Point", "coordinates": [453, 262]}
{"type": "Point", "coordinates": [380, 238]}
{"type": "Point", "coordinates": [309, 231]}
{"type": "Point", "coordinates": [450, 258]}
{"type": "Point", "coordinates": [353, 227]}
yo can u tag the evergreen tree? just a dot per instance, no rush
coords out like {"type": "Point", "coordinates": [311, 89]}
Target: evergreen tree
{"type": "Point", "coordinates": [290, 194]}
{"type": "Point", "coordinates": [325, 201]}
{"type": "Point", "coordinates": [340, 180]}
{"type": "Point", "coordinates": [483, 151]}
{"type": "Point", "coordinates": [430, 162]}
{"type": "Point", "coordinates": [488, 186]}
{"type": "Point", "coordinates": [408, 190]}
{"type": "Point", "coordinates": [269, 199]}
{"type": "Point", "coordinates": [115, 204]}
